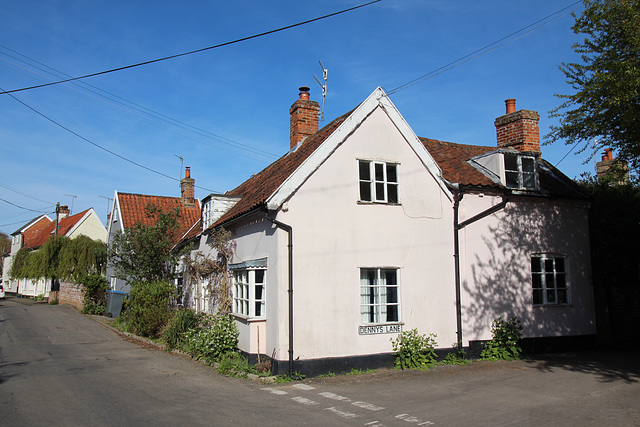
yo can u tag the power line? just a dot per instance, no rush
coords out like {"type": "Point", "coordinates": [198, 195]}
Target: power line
{"type": "Point", "coordinates": [21, 207]}
{"type": "Point", "coordinates": [481, 51]}
{"type": "Point", "coordinates": [99, 146]}
{"type": "Point", "coordinates": [24, 194]}
{"type": "Point", "coordinates": [142, 111]}
{"type": "Point", "coordinates": [288, 27]}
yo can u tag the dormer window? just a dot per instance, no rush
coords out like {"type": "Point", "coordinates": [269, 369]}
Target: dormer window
{"type": "Point", "coordinates": [520, 171]}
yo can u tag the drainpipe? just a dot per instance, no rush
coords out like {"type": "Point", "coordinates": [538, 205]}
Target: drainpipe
{"type": "Point", "coordinates": [289, 231]}
{"type": "Point", "coordinates": [457, 226]}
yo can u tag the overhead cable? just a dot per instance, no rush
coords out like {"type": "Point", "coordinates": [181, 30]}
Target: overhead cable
{"type": "Point", "coordinates": [288, 27]}
{"type": "Point", "coordinates": [144, 113]}
{"type": "Point", "coordinates": [101, 147]}
{"type": "Point", "coordinates": [480, 51]}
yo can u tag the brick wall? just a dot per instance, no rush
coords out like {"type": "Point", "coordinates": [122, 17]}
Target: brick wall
{"type": "Point", "coordinates": [519, 130]}
{"type": "Point", "coordinates": [304, 118]}
{"type": "Point", "coordinates": [71, 294]}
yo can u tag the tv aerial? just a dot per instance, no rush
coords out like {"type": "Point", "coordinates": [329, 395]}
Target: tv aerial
{"type": "Point", "coordinates": [323, 86]}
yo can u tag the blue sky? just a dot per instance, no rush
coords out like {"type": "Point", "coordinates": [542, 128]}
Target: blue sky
{"type": "Point", "coordinates": [225, 111]}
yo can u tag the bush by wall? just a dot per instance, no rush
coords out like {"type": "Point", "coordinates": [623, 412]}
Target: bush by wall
{"type": "Point", "coordinates": [147, 310]}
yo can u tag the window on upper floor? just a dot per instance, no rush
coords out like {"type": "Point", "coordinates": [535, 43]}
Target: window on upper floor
{"type": "Point", "coordinates": [379, 302]}
{"type": "Point", "coordinates": [378, 181]}
{"type": "Point", "coordinates": [520, 171]}
{"type": "Point", "coordinates": [207, 214]}
{"type": "Point", "coordinates": [549, 279]}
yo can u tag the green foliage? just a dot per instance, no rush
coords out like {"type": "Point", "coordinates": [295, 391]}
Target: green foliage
{"type": "Point", "coordinates": [81, 257]}
{"type": "Point", "coordinates": [61, 257]}
{"type": "Point", "coordinates": [143, 253]}
{"type": "Point", "coordinates": [614, 230]}
{"type": "Point", "coordinates": [148, 307]}
{"type": "Point", "coordinates": [214, 341]}
{"type": "Point", "coordinates": [327, 375]}
{"type": "Point", "coordinates": [20, 267]}
{"type": "Point", "coordinates": [414, 351]}
{"type": "Point", "coordinates": [182, 321]}
{"type": "Point", "coordinates": [606, 102]}
{"type": "Point", "coordinates": [234, 365]}
{"type": "Point", "coordinates": [94, 294]}
{"type": "Point", "coordinates": [54, 301]}
{"type": "Point", "coordinates": [38, 297]}
{"type": "Point", "coordinates": [355, 371]}
{"type": "Point", "coordinates": [279, 379]}
{"type": "Point", "coordinates": [457, 356]}
{"type": "Point", "coordinates": [505, 344]}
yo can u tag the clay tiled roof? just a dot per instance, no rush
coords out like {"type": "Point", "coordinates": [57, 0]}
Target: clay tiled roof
{"type": "Point", "coordinates": [31, 233]}
{"type": "Point", "coordinates": [258, 188]}
{"type": "Point", "coordinates": [132, 210]}
{"type": "Point", "coordinates": [453, 161]}
{"type": "Point", "coordinates": [64, 226]}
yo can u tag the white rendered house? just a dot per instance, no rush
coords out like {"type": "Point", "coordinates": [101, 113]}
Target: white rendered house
{"type": "Point", "coordinates": [363, 230]}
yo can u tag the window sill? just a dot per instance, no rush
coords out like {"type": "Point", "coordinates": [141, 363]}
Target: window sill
{"type": "Point", "coordinates": [361, 202]}
{"type": "Point", "coordinates": [246, 319]}
{"type": "Point", "coordinates": [552, 305]}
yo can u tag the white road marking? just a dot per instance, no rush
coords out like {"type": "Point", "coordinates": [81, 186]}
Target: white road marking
{"type": "Point", "coordinates": [334, 396]}
{"type": "Point", "coordinates": [304, 387]}
{"type": "Point", "coordinates": [304, 400]}
{"type": "Point", "coordinates": [369, 406]}
{"type": "Point", "coordinates": [275, 391]}
{"type": "Point", "coordinates": [342, 414]}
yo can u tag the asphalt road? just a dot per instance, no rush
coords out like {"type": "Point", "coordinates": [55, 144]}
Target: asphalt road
{"type": "Point", "coordinates": [58, 367]}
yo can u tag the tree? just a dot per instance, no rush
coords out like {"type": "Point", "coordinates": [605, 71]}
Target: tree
{"type": "Point", "coordinates": [61, 258]}
{"type": "Point", "coordinates": [606, 103]}
{"type": "Point", "coordinates": [143, 253]}
{"type": "Point", "coordinates": [614, 230]}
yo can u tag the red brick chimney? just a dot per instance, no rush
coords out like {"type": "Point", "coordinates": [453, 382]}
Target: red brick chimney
{"type": "Point", "coordinates": [187, 189]}
{"type": "Point", "coordinates": [63, 212]}
{"type": "Point", "coordinates": [518, 129]}
{"type": "Point", "coordinates": [304, 118]}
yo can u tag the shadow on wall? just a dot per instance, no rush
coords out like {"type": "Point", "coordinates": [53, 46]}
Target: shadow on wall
{"type": "Point", "coordinates": [498, 281]}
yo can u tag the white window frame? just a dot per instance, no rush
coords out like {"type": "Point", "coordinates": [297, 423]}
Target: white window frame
{"type": "Point", "coordinates": [376, 306]}
{"type": "Point", "coordinates": [549, 279]}
{"type": "Point", "coordinates": [207, 214]}
{"type": "Point", "coordinates": [379, 185]}
{"type": "Point", "coordinates": [520, 173]}
{"type": "Point", "coordinates": [249, 294]}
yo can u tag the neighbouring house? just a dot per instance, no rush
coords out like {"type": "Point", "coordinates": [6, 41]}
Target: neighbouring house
{"type": "Point", "coordinates": [25, 235]}
{"type": "Point", "coordinates": [37, 232]}
{"type": "Point", "coordinates": [363, 230]}
{"type": "Point", "coordinates": [128, 209]}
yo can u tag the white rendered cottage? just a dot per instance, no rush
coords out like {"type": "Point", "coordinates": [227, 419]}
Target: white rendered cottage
{"type": "Point", "coordinates": [363, 230]}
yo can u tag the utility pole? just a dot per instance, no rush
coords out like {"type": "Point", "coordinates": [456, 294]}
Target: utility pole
{"type": "Point", "coordinates": [57, 218]}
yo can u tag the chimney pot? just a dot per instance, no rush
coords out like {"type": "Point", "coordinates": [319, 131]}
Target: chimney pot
{"type": "Point", "coordinates": [511, 105]}
{"type": "Point", "coordinates": [187, 172]}
{"type": "Point", "coordinates": [304, 92]}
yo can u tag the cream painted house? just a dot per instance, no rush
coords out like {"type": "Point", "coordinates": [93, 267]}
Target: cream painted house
{"type": "Point", "coordinates": [363, 230]}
